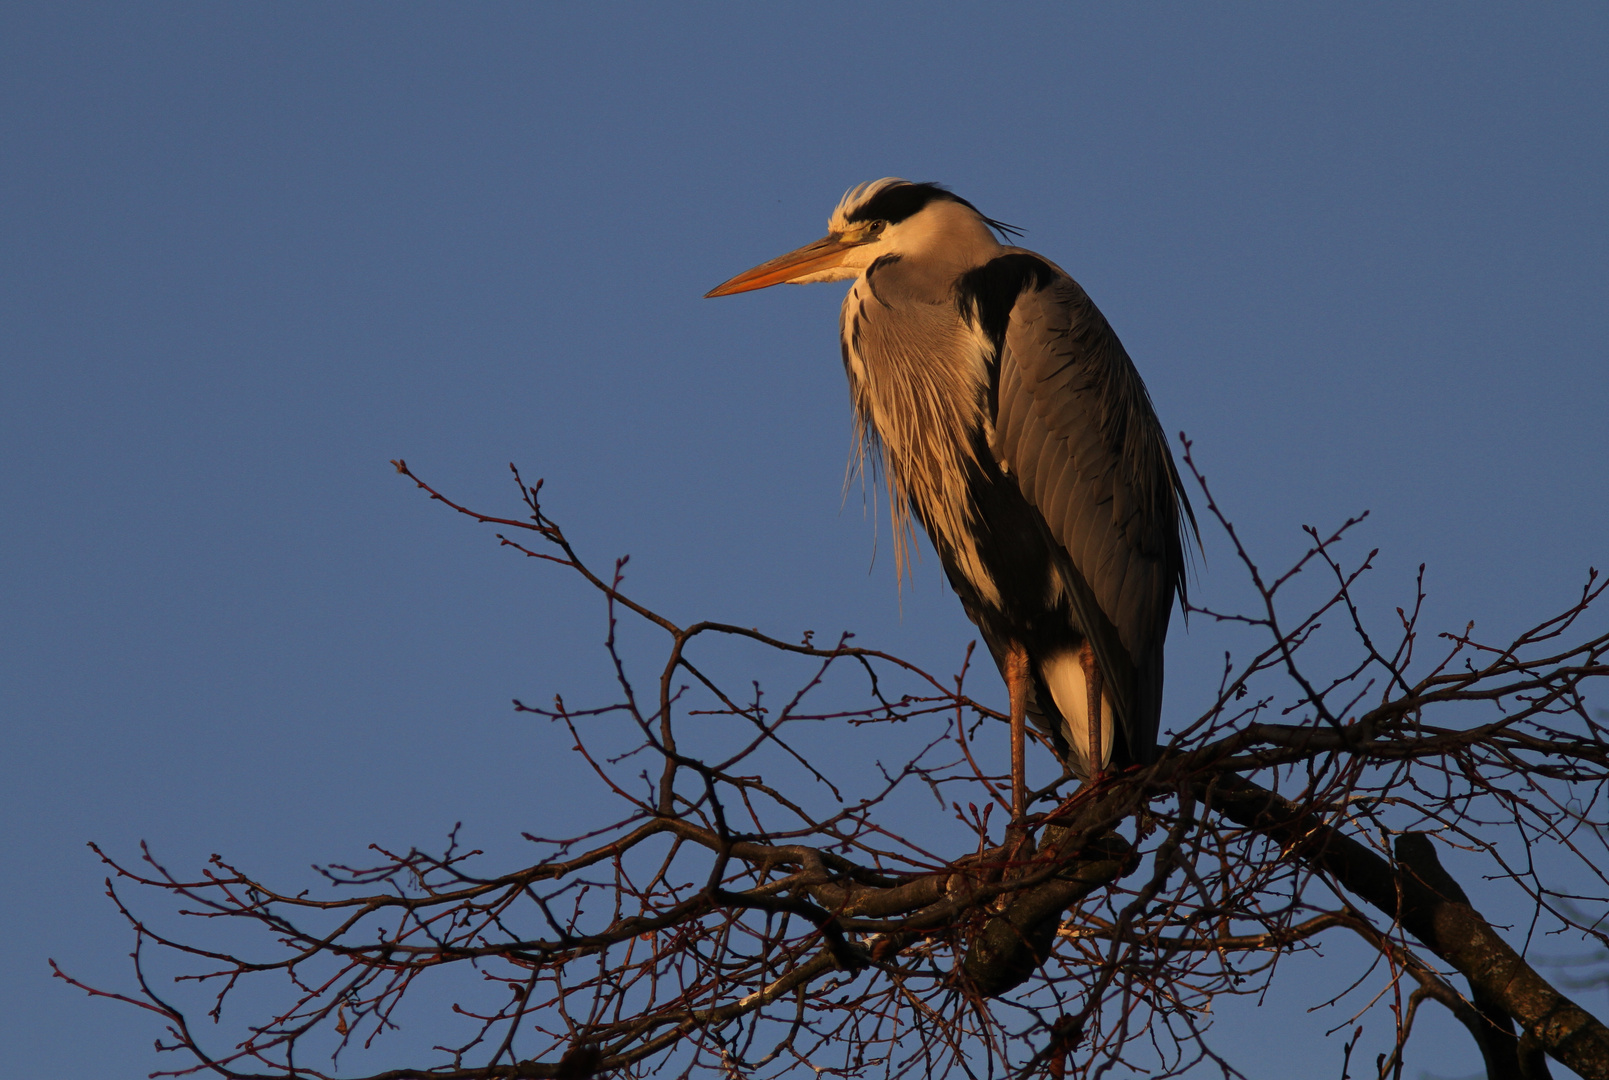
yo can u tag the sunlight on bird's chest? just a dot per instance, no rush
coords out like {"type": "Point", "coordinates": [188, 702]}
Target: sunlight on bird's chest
{"type": "Point", "coordinates": [919, 383]}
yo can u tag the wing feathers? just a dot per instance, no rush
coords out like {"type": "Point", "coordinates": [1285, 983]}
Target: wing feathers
{"type": "Point", "coordinates": [1076, 429]}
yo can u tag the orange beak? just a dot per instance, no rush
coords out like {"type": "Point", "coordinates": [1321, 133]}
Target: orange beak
{"type": "Point", "coordinates": [824, 254]}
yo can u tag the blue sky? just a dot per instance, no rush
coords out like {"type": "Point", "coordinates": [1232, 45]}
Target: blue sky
{"type": "Point", "coordinates": [250, 253]}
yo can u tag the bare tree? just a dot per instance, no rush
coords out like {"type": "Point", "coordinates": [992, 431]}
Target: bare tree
{"type": "Point", "coordinates": [745, 906]}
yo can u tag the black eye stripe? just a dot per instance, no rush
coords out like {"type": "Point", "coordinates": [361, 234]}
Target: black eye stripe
{"type": "Point", "coordinates": [899, 201]}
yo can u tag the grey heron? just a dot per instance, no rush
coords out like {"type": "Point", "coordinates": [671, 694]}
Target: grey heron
{"type": "Point", "coordinates": [1013, 425]}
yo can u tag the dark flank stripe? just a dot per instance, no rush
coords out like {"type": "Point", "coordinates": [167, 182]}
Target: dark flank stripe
{"type": "Point", "coordinates": [986, 295]}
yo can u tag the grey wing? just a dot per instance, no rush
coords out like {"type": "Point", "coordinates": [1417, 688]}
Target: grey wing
{"type": "Point", "coordinates": [1075, 426]}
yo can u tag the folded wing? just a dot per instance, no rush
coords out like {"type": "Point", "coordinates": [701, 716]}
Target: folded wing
{"type": "Point", "coordinates": [1075, 427]}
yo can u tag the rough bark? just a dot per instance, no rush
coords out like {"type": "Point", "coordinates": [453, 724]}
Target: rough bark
{"type": "Point", "coordinates": [1505, 1056]}
{"type": "Point", "coordinates": [1015, 942]}
{"type": "Point", "coordinates": [1440, 917]}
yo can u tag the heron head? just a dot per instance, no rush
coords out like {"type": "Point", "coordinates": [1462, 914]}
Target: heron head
{"type": "Point", "coordinates": [884, 217]}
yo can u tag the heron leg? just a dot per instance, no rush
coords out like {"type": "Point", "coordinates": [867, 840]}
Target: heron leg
{"type": "Point", "coordinates": [1096, 685]}
{"type": "Point", "coordinates": [1017, 688]}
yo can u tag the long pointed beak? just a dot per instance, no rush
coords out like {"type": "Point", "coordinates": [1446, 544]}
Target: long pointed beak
{"type": "Point", "coordinates": [824, 254]}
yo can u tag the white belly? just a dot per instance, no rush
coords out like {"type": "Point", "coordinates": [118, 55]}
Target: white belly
{"type": "Point", "coordinates": [1064, 674]}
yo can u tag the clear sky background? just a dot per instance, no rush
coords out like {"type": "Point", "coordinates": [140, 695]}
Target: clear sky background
{"type": "Point", "coordinates": [248, 253]}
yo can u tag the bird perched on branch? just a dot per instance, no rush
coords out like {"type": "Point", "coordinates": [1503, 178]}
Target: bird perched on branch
{"type": "Point", "coordinates": [1014, 427]}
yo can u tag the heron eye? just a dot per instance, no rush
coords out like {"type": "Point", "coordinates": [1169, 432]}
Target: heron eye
{"type": "Point", "coordinates": [876, 227]}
